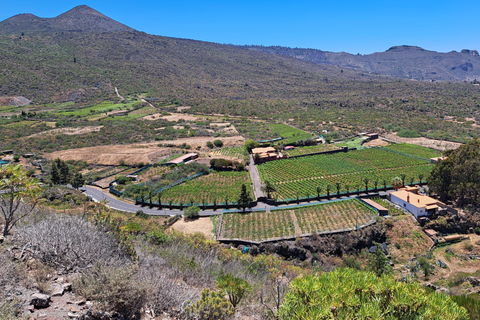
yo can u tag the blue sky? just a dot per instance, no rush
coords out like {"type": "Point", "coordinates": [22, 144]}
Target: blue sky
{"type": "Point", "coordinates": [352, 26]}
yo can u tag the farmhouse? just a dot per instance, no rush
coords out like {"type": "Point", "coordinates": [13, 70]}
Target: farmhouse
{"type": "Point", "coordinates": [417, 204]}
{"type": "Point", "coordinates": [264, 154]}
{"type": "Point", "coordinates": [183, 159]}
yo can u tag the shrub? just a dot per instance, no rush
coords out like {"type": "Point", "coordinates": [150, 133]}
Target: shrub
{"type": "Point", "coordinates": [218, 143]}
{"type": "Point", "coordinates": [352, 294]}
{"type": "Point", "coordinates": [114, 289]}
{"type": "Point", "coordinates": [210, 144]}
{"type": "Point", "coordinates": [142, 215]}
{"type": "Point", "coordinates": [191, 212]}
{"type": "Point", "coordinates": [235, 288]}
{"type": "Point", "coordinates": [9, 282]}
{"type": "Point", "coordinates": [388, 224]}
{"type": "Point", "coordinates": [211, 306]}
{"type": "Point", "coordinates": [71, 242]}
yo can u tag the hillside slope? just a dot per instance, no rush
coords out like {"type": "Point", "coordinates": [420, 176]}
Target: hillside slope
{"type": "Point", "coordinates": [408, 62]}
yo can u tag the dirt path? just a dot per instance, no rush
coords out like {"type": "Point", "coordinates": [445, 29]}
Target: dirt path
{"type": "Point", "coordinates": [118, 95]}
{"type": "Point", "coordinates": [424, 142]}
{"type": "Point", "coordinates": [298, 231]}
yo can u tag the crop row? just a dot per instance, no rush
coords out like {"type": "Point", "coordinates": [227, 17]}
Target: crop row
{"type": "Point", "coordinates": [333, 216]}
{"type": "Point", "coordinates": [215, 187]}
{"type": "Point", "coordinates": [257, 226]}
{"type": "Point", "coordinates": [415, 150]}
{"type": "Point", "coordinates": [261, 226]}
{"type": "Point", "coordinates": [338, 163]}
{"type": "Point", "coordinates": [311, 149]}
{"type": "Point", "coordinates": [348, 182]}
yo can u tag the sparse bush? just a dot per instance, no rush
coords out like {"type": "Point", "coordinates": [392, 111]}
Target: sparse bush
{"type": "Point", "coordinates": [211, 306]}
{"type": "Point", "coordinates": [191, 213]}
{"type": "Point", "coordinates": [71, 242]}
{"type": "Point", "coordinates": [388, 224]}
{"type": "Point", "coordinates": [9, 281]}
{"type": "Point", "coordinates": [352, 262]}
{"type": "Point", "coordinates": [113, 288]}
{"type": "Point", "coordinates": [468, 245]}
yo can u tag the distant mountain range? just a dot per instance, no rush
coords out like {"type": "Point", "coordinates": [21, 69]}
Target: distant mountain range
{"type": "Point", "coordinates": [408, 62]}
{"type": "Point", "coordinates": [82, 53]}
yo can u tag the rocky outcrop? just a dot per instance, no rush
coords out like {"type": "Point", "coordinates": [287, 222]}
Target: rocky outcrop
{"type": "Point", "coordinates": [40, 300]}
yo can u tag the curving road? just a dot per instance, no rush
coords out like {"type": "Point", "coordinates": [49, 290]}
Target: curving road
{"type": "Point", "coordinates": [114, 203]}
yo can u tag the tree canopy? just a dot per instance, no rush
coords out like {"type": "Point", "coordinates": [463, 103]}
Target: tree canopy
{"type": "Point", "coordinates": [353, 294]}
{"type": "Point", "coordinates": [457, 177]}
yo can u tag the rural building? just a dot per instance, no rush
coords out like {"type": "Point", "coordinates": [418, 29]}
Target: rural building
{"type": "Point", "coordinates": [265, 154]}
{"type": "Point", "coordinates": [381, 209]}
{"type": "Point", "coordinates": [417, 204]}
{"type": "Point", "coordinates": [185, 158]}
{"type": "Point", "coordinates": [372, 135]}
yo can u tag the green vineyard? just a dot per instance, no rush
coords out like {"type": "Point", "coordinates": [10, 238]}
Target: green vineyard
{"type": "Point", "coordinates": [326, 217]}
{"type": "Point", "coordinates": [301, 177]}
{"type": "Point", "coordinates": [216, 187]}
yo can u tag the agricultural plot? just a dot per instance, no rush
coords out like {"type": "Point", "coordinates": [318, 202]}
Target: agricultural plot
{"type": "Point", "coordinates": [327, 217]}
{"type": "Point", "coordinates": [300, 177]}
{"type": "Point", "coordinates": [311, 149]}
{"type": "Point", "coordinates": [334, 216]}
{"type": "Point", "coordinates": [393, 210]}
{"type": "Point", "coordinates": [257, 225]}
{"type": "Point", "coordinates": [415, 150]}
{"type": "Point", "coordinates": [231, 152]}
{"type": "Point", "coordinates": [288, 133]}
{"type": "Point", "coordinates": [216, 186]}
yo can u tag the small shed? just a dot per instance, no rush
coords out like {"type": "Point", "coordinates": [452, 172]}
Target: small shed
{"type": "Point", "coordinates": [381, 209]}
{"type": "Point", "coordinates": [183, 159]}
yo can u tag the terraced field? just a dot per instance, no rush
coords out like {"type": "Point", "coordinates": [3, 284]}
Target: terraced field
{"type": "Point", "coordinates": [327, 217]}
{"type": "Point", "coordinates": [415, 150]}
{"type": "Point", "coordinates": [300, 177]}
{"type": "Point", "coordinates": [311, 149]}
{"type": "Point", "coordinates": [216, 186]}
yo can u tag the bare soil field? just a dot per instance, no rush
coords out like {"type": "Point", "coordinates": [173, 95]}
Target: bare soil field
{"type": "Point", "coordinates": [171, 117]}
{"type": "Point", "coordinates": [194, 142]}
{"type": "Point", "coordinates": [376, 143]}
{"type": "Point", "coordinates": [201, 225]}
{"type": "Point", "coordinates": [425, 142]}
{"type": "Point", "coordinates": [111, 155]}
{"type": "Point", "coordinates": [68, 131]}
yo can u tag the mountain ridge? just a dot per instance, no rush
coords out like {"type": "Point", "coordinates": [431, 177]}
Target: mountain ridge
{"type": "Point", "coordinates": [78, 19]}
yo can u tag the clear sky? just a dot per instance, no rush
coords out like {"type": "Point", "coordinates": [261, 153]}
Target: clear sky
{"type": "Point", "coordinates": [362, 26]}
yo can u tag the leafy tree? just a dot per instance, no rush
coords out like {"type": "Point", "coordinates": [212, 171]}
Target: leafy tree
{"type": "Point", "coordinates": [78, 180]}
{"type": "Point", "coordinates": [378, 262]}
{"type": "Point", "coordinates": [211, 306]}
{"type": "Point", "coordinates": [235, 288]}
{"type": "Point", "coordinates": [268, 188]}
{"type": "Point", "coordinates": [20, 195]}
{"type": "Point", "coordinates": [352, 294]}
{"type": "Point", "coordinates": [397, 183]}
{"type": "Point", "coordinates": [250, 144]}
{"type": "Point", "coordinates": [191, 213]}
{"type": "Point", "coordinates": [457, 177]}
{"type": "Point", "coordinates": [55, 174]}
{"type": "Point", "coordinates": [245, 198]}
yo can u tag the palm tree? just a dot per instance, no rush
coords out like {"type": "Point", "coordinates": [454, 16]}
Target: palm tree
{"type": "Point", "coordinates": [403, 176]}
{"type": "Point", "coordinates": [411, 181]}
{"type": "Point", "coordinates": [328, 191]}
{"type": "Point", "coordinates": [268, 188]}
{"type": "Point", "coordinates": [159, 197]}
{"type": "Point", "coordinates": [420, 177]}
{"type": "Point", "coordinates": [308, 196]}
{"type": "Point", "coordinates": [365, 180]}
{"type": "Point", "coordinates": [337, 185]}
{"type": "Point", "coordinates": [150, 197]}
{"type": "Point", "coordinates": [319, 190]}
{"type": "Point", "coordinates": [375, 183]}
{"type": "Point", "coordinates": [204, 202]}
{"type": "Point", "coordinates": [384, 185]}
{"type": "Point", "coordinates": [347, 187]}
{"type": "Point", "coordinates": [226, 202]}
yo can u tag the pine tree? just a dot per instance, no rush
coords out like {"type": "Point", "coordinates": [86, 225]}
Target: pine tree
{"type": "Point", "coordinates": [245, 198]}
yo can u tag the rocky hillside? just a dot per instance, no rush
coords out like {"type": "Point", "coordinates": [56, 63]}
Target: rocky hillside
{"type": "Point", "coordinates": [408, 62]}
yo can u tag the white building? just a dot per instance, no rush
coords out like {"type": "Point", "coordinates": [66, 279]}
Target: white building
{"type": "Point", "coordinates": [417, 204]}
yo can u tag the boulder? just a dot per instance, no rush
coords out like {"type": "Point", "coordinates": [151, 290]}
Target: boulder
{"type": "Point", "coordinates": [40, 300]}
{"type": "Point", "coordinates": [58, 291]}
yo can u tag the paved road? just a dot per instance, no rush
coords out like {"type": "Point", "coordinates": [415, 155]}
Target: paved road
{"type": "Point", "coordinates": [257, 183]}
{"type": "Point", "coordinates": [114, 203]}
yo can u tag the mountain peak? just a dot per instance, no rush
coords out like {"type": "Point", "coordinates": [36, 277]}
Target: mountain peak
{"type": "Point", "coordinates": [404, 48]}
{"type": "Point", "coordinates": [79, 19]}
